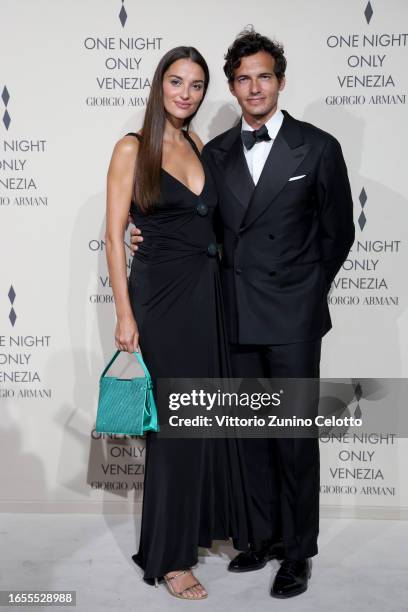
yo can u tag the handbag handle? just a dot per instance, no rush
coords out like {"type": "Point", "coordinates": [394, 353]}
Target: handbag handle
{"type": "Point", "coordinates": [138, 357]}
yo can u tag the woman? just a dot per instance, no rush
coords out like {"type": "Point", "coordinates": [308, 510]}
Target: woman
{"type": "Point", "coordinates": [171, 307]}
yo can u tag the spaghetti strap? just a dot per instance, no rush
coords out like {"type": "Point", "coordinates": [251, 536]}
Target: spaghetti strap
{"type": "Point", "coordinates": [133, 134]}
{"type": "Point", "coordinates": [193, 144]}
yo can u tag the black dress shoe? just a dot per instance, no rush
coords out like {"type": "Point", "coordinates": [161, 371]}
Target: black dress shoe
{"type": "Point", "coordinates": [252, 560]}
{"type": "Point", "coordinates": [291, 578]}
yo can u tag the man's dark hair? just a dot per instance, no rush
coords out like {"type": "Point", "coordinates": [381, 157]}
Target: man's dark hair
{"type": "Point", "coordinates": [249, 42]}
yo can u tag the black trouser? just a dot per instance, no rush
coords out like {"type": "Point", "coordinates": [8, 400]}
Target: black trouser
{"type": "Point", "coordinates": [284, 473]}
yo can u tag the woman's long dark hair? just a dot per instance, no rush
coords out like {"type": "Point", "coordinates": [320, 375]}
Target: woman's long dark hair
{"type": "Point", "coordinates": [146, 190]}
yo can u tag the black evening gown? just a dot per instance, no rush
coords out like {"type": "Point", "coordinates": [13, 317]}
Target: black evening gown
{"type": "Point", "coordinates": [194, 489]}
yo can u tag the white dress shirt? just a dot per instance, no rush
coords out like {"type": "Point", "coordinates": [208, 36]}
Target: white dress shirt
{"type": "Point", "coordinates": [256, 157]}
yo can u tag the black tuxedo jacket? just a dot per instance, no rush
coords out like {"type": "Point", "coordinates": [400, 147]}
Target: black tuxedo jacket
{"type": "Point", "coordinates": [283, 241]}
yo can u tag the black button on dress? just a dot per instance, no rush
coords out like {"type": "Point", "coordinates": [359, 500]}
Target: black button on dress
{"type": "Point", "coordinates": [194, 489]}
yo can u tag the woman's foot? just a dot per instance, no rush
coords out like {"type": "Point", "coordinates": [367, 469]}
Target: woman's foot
{"type": "Point", "coordinates": [184, 584]}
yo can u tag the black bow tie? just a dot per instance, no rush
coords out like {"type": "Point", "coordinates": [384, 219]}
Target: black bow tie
{"type": "Point", "coordinates": [249, 138]}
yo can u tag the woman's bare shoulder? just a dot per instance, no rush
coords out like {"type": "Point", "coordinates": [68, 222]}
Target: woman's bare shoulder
{"type": "Point", "coordinates": [124, 153]}
{"type": "Point", "coordinates": [127, 146]}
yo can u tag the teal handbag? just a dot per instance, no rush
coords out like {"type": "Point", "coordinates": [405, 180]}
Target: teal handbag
{"type": "Point", "coordinates": [126, 405]}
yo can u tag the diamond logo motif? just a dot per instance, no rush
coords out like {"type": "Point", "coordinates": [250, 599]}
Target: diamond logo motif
{"type": "Point", "coordinates": [362, 220]}
{"type": "Point", "coordinates": [6, 119]}
{"type": "Point", "coordinates": [357, 412]}
{"type": "Point", "coordinates": [12, 317]}
{"type": "Point", "coordinates": [123, 15]}
{"type": "Point", "coordinates": [5, 96]}
{"type": "Point", "coordinates": [11, 294]}
{"type": "Point", "coordinates": [368, 13]}
{"type": "Point", "coordinates": [362, 197]}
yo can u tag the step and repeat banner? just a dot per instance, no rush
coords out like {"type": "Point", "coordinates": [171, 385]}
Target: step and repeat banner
{"type": "Point", "coordinates": [74, 77]}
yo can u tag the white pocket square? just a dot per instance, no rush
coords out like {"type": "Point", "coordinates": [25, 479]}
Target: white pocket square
{"type": "Point", "coordinates": [296, 178]}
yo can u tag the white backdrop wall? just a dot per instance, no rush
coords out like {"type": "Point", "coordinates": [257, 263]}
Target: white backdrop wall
{"type": "Point", "coordinates": [74, 77]}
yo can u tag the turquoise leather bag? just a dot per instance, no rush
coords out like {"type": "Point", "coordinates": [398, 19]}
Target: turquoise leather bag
{"type": "Point", "coordinates": [126, 405]}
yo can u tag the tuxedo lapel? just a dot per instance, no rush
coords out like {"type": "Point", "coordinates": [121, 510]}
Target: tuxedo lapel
{"type": "Point", "coordinates": [287, 153]}
{"type": "Point", "coordinates": [230, 159]}
{"type": "Point", "coordinates": [237, 175]}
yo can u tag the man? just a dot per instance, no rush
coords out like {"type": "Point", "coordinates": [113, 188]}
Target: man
{"type": "Point", "coordinates": [286, 215]}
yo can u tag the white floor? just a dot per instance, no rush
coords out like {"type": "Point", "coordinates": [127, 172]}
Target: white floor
{"type": "Point", "coordinates": [362, 566]}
